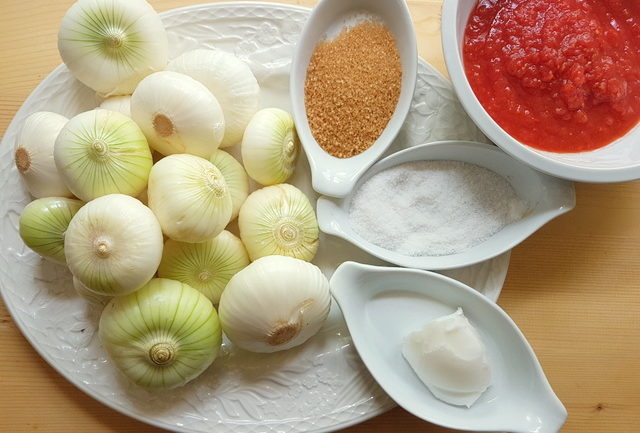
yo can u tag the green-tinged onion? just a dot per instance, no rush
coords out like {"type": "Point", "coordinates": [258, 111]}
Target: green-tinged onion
{"type": "Point", "coordinates": [274, 304]}
{"type": "Point", "coordinates": [230, 80]}
{"type": "Point", "coordinates": [113, 245]}
{"type": "Point", "coordinates": [34, 154]}
{"type": "Point", "coordinates": [270, 146]}
{"type": "Point", "coordinates": [161, 336]}
{"type": "Point", "coordinates": [102, 152]}
{"type": "Point", "coordinates": [190, 197]}
{"type": "Point", "coordinates": [110, 45]}
{"type": "Point", "coordinates": [279, 220]}
{"type": "Point", "coordinates": [206, 266]}
{"type": "Point", "coordinates": [235, 177]}
{"type": "Point", "coordinates": [43, 224]}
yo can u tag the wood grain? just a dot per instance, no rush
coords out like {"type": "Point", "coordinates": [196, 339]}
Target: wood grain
{"type": "Point", "coordinates": [573, 287]}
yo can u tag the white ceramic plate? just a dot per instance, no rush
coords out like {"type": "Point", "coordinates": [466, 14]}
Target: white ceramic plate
{"type": "Point", "coordinates": [321, 386]}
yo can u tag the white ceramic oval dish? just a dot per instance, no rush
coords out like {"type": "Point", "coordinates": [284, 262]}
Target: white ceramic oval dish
{"type": "Point", "coordinates": [547, 197]}
{"type": "Point", "coordinates": [382, 305]}
{"type": "Point", "coordinates": [616, 162]}
{"type": "Point", "coordinates": [330, 175]}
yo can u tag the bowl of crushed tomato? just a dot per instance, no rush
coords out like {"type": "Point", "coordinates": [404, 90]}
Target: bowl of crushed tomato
{"type": "Point", "coordinates": [556, 84]}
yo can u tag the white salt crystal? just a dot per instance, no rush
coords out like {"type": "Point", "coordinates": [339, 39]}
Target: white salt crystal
{"type": "Point", "coordinates": [433, 208]}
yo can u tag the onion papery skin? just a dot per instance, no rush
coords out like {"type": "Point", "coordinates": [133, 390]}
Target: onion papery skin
{"type": "Point", "coordinates": [161, 336]}
{"type": "Point", "coordinates": [113, 245]}
{"type": "Point", "coordinates": [43, 224]}
{"type": "Point", "coordinates": [206, 266]}
{"type": "Point", "coordinates": [102, 152]}
{"type": "Point", "coordinates": [110, 45]}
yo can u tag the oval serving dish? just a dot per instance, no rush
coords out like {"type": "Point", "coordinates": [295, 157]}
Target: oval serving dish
{"type": "Point", "coordinates": [546, 197]}
{"type": "Point", "coordinates": [381, 305]}
{"type": "Point", "coordinates": [330, 175]}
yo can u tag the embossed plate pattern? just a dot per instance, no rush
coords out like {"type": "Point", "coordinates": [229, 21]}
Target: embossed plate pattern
{"type": "Point", "coordinates": [321, 386]}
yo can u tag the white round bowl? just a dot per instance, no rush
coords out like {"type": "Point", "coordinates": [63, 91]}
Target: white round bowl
{"type": "Point", "coordinates": [615, 162]}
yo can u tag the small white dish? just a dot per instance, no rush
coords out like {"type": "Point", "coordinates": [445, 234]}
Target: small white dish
{"type": "Point", "coordinates": [382, 305]}
{"type": "Point", "coordinates": [615, 162]}
{"type": "Point", "coordinates": [330, 175]}
{"type": "Point", "coordinates": [547, 197]}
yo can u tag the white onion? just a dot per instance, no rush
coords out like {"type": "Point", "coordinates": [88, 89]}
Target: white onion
{"type": "Point", "coordinates": [113, 245]}
{"type": "Point", "coordinates": [34, 155]}
{"type": "Point", "coordinates": [231, 82]}
{"type": "Point", "coordinates": [178, 114]}
{"type": "Point", "coordinates": [275, 303]}
{"type": "Point", "coordinates": [110, 45]}
{"type": "Point", "coordinates": [190, 197]}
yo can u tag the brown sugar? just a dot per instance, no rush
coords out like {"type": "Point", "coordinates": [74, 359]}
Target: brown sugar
{"type": "Point", "coordinates": [352, 88]}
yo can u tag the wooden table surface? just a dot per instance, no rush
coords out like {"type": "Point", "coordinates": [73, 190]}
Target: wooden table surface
{"type": "Point", "coordinates": [573, 287]}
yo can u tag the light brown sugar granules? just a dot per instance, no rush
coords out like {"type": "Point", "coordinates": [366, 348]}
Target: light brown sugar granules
{"type": "Point", "coordinates": [352, 88]}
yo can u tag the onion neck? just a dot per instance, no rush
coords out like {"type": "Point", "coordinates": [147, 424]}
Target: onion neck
{"type": "Point", "coordinates": [114, 40]}
{"type": "Point", "coordinates": [102, 247]}
{"type": "Point", "coordinates": [215, 182]}
{"type": "Point", "coordinates": [204, 276]}
{"type": "Point", "coordinates": [162, 354]}
{"type": "Point", "coordinates": [290, 147]}
{"type": "Point", "coordinates": [288, 233]}
{"type": "Point", "coordinates": [99, 149]}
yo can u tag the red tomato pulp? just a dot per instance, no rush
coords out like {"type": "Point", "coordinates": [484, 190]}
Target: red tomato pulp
{"type": "Point", "coordinates": [557, 75]}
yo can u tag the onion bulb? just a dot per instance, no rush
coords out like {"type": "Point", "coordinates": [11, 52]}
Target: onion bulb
{"type": "Point", "coordinates": [101, 152]}
{"type": "Point", "coordinates": [235, 176]}
{"type": "Point", "coordinates": [178, 114]}
{"type": "Point", "coordinates": [270, 146]}
{"type": "Point", "coordinates": [34, 155]}
{"type": "Point", "coordinates": [231, 82]}
{"type": "Point", "coordinates": [190, 197]}
{"type": "Point", "coordinates": [161, 336]}
{"type": "Point", "coordinates": [113, 245]}
{"type": "Point", "coordinates": [120, 103]}
{"type": "Point", "coordinates": [89, 295]}
{"type": "Point", "coordinates": [206, 266]}
{"type": "Point", "coordinates": [110, 45]}
{"type": "Point", "coordinates": [279, 220]}
{"type": "Point", "coordinates": [274, 304]}
{"type": "Point", "coordinates": [43, 224]}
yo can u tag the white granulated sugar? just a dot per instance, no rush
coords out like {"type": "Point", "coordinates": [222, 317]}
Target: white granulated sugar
{"type": "Point", "coordinates": [433, 208]}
